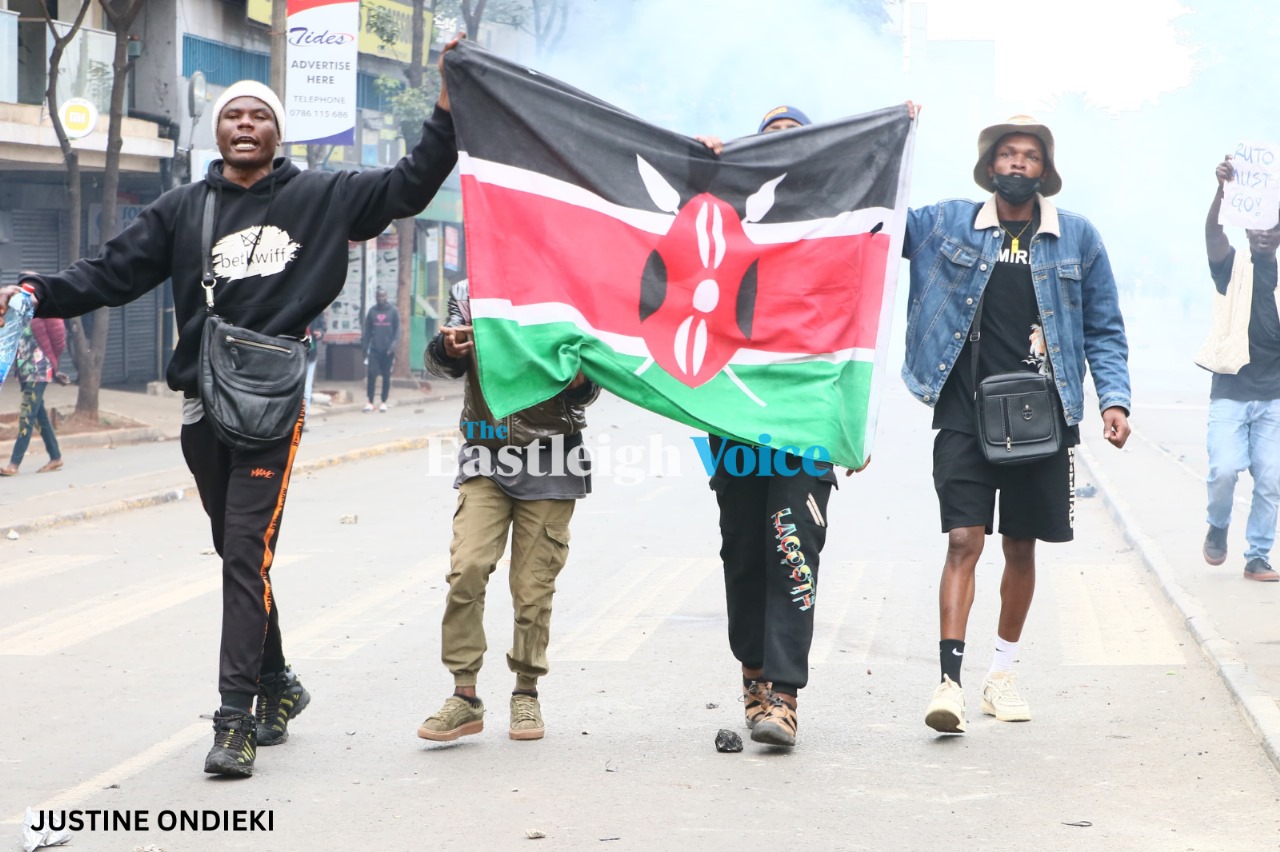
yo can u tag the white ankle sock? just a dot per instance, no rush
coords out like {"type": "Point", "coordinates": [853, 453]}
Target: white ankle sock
{"type": "Point", "coordinates": [1002, 660]}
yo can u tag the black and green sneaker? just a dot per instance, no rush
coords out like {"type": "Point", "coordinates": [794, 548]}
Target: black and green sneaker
{"type": "Point", "coordinates": [234, 744]}
{"type": "Point", "coordinates": [280, 697]}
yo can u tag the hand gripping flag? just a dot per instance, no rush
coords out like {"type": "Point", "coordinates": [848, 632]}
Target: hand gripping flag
{"type": "Point", "coordinates": [747, 294]}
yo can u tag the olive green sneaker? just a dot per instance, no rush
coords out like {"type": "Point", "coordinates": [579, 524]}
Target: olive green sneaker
{"type": "Point", "coordinates": [526, 717]}
{"type": "Point", "coordinates": [457, 718]}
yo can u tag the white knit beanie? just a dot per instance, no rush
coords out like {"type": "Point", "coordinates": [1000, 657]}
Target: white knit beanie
{"type": "Point", "coordinates": [252, 89]}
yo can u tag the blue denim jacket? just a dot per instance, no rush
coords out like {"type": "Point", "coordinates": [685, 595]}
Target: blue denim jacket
{"type": "Point", "coordinates": [953, 247]}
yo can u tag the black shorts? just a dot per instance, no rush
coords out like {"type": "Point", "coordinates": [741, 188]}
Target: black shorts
{"type": "Point", "coordinates": [1037, 500]}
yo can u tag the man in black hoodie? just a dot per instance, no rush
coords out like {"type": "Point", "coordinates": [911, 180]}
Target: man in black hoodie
{"type": "Point", "coordinates": [279, 256]}
{"type": "Point", "coordinates": [381, 331]}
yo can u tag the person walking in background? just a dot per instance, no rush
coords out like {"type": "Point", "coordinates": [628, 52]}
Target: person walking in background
{"type": "Point", "coordinates": [37, 364]}
{"type": "Point", "coordinates": [1243, 353]}
{"type": "Point", "coordinates": [315, 334]}
{"type": "Point", "coordinates": [381, 332]}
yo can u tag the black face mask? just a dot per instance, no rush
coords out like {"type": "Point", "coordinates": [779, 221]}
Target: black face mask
{"type": "Point", "coordinates": [1015, 189]}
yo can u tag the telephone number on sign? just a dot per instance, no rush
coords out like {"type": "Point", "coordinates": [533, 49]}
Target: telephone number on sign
{"type": "Point", "coordinates": [316, 113]}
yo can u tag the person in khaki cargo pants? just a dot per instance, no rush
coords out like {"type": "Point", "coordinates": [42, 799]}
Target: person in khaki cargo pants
{"type": "Point", "coordinates": [522, 474]}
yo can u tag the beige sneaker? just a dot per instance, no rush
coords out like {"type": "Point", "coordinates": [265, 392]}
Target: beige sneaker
{"type": "Point", "coordinates": [755, 701]}
{"type": "Point", "coordinates": [526, 717]}
{"type": "Point", "coordinates": [1000, 698]}
{"type": "Point", "coordinates": [457, 718]}
{"type": "Point", "coordinates": [946, 711]}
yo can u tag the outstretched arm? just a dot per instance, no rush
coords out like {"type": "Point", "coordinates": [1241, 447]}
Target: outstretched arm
{"type": "Point", "coordinates": [1215, 238]}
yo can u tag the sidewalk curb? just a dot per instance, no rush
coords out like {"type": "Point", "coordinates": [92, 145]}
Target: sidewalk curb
{"type": "Point", "coordinates": [111, 438]}
{"type": "Point", "coordinates": [1259, 708]}
{"type": "Point", "coordinates": [173, 495]}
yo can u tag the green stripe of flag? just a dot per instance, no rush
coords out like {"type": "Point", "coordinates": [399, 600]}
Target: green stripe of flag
{"type": "Point", "coordinates": [808, 403]}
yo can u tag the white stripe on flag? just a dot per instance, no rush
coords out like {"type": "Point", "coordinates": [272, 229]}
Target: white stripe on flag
{"type": "Point", "coordinates": [553, 312]}
{"type": "Point", "coordinates": [523, 180]}
{"type": "Point", "coordinates": [847, 224]}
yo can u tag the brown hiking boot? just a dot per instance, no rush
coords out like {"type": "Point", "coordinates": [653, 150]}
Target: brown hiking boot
{"type": "Point", "coordinates": [755, 701]}
{"type": "Point", "coordinates": [779, 725]}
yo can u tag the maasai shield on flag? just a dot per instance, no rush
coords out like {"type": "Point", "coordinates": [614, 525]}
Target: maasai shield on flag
{"type": "Point", "coordinates": [747, 294]}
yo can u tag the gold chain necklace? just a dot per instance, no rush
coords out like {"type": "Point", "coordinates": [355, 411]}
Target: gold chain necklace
{"type": "Point", "coordinates": [1013, 247]}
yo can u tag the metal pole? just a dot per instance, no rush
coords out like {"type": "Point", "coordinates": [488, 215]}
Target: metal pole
{"type": "Point", "coordinates": [279, 23]}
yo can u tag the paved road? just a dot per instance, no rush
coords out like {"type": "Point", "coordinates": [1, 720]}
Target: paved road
{"type": "Point", "coordinates": [108, 651]}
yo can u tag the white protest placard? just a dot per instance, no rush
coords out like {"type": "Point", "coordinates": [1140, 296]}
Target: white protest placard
{"type": "Point", "coordinates": [320, 81]}
{"type": "Point", "coordinates": [1252, 200]}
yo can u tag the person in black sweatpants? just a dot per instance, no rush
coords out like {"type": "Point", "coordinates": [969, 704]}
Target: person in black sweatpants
{"type": "Point", "coordinates": [243, 492]}
{"type": "Point", "coordinates": [274, 240]}
{"type": "Point", "coordinates": [381, 332]}
{"type": "Point", "coordinates": [772, 529]}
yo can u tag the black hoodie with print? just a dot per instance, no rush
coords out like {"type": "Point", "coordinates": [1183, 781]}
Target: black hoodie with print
{"type": "Point", "coordinates": [299, 260]}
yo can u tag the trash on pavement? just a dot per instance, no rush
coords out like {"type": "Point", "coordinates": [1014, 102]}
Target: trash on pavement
{"type": "Point", "coordinates": [46, 836]}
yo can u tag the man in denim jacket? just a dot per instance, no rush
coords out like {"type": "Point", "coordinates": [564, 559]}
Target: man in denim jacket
{"type": "Point", "coordinates": [1050, 305]}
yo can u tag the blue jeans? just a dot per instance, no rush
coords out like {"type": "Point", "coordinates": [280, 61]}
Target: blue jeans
{"type": "Point", "coordinates": [1245, 436]}
{"type": "Point", "coordinates": [310, 382]}
{"type": "Point", "coordinates": [33, 414]}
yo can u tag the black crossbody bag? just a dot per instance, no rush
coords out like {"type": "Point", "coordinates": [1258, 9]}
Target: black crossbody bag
{"type": "Point", "coordinates": [251, 384]}
{"type": "Point", "coordinates": [1017, 420]}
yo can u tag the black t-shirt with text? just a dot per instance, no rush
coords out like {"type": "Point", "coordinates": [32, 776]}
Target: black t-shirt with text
{"type": "Point", "coordinates": [1012, 337]}
{"type": "Point", "coordinates": [1260, 378]}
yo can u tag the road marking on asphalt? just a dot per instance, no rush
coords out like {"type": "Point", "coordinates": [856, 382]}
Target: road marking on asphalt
{"type": "Point", "coordinates": [851, 597]}
{"type": "Point", "coordinates": [1241, 498]}
{"type": "Point", "coordinates": [57, 630]}
{"type": "Point", "coordinates": [1107, 617]}
{"type": "Point", "coordinates": [347, 627]}
{"type": "Point", "coordinates": [60, 629]}
{"type": "Point", "coordinates": [317, 633]}
{"type": "Point", "coordinates": [658, 587]}
{"type": "Point", "coordinates": [655, 493]}
{"type": "Point", "coordinates": [40, 567]}
{"type": "Point", "coordinates": [144, 760]}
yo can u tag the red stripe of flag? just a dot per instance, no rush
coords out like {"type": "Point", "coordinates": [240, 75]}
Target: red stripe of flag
{"type": "Point", "coordinates": [813, 296]}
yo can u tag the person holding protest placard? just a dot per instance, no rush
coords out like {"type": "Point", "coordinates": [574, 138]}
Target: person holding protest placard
{"type": "Point", "coordinates": [1243, 353]}
{"type": "Point", "coordinates": [981, 322]}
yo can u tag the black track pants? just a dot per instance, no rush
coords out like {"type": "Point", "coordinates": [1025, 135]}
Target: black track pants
{"type": "Point", "coordinates": [243, 493]}
{"type": "Point", "coordinates": [772, 530]}
{"type": "Point", "coordinates": [380, 361]}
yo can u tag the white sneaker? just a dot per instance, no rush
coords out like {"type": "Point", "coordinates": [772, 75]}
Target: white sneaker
{"type": "Point", "coordinates": [946, 711]}
{"type": "Point", "coordinates": [382, 407]}
{"type": "Point", "coordinates": [368, 406]}
{"type": "Point", "coordinates": [1000, 698]}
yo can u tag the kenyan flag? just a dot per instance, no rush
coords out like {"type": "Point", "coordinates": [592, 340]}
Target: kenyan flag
{"type": "Point", "coordinates": [745, 294]}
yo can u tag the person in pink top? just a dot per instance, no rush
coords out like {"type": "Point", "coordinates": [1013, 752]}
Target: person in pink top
{"type": "Point", "coordinates": [37, 363]}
